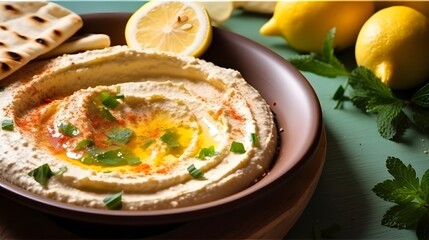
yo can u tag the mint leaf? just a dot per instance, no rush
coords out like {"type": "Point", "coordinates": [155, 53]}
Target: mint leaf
{"type": "Point", "coordinates": [410, 195]}
{"type": "Point", "coordinates": [420, 118]}
{"type": "Point", "coordinates": [324, 64]}
{"type": "Point", "coordinates": [422, 229]}
{"type": "Point", "coordinates": [402, 216]}
{"type": "Point", "coordinates": [391, 120]}
{"type": "Point", "coordinates": [371, 95]}
{"type": "Point", "coordinates": [421, 97]}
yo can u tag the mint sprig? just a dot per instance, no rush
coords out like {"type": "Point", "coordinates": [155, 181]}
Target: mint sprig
{"type": "Point", "coordinates": [368, 93]}
{"type": "Point", "coordinates": [411, 196]}
{"type": "Point", "coordinates": [325, 63]}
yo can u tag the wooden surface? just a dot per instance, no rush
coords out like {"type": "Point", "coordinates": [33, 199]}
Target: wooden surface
{"type": "Point", "coordinates": [270, 217]}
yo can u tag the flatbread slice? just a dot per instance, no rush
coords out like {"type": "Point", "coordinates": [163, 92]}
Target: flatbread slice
{"type": "Point", "coordinates": [30, 29]}
{"type": "Point", "coordinates": [78, 44]}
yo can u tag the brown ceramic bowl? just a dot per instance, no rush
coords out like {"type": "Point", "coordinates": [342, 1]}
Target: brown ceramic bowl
{"type": "Point", "coordinates": [292, 99]}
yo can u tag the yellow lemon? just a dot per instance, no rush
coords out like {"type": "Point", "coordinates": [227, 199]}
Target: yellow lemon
{"type": "Point", "coordinates": [219, 12]}
{"type": "Point", "coordinates": [394, 44]}
{"type": "Point", "coordinates": [305, 24]}
{"type": "Point", "coordinates": [175, 26]}
{"type": "Point", "coordinates": [421, 6]}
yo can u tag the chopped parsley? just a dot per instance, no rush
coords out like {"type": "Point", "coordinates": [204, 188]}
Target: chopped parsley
{"type": "Point", "coordinates": [255, 139]}
{"type": "Point", "coordinates": [43, 173]}
{"type": "Point", "coordinates": [106, 114]}
{"type": "Point", "coordinates": [195, 172]}
{"type": "Point", "coordinates": [110, 101]}
{"type": "Point", "coordinates": [237, 147]}
{"type": "Point", "coordinates": [84, 143]}
{"type": "Point", "coordinates": [110, 158]}
{"type": "Point", "coordinates": [7, 125]}
{"type": "Point", "coordinates": [120, 136]}
{"type": "Point", "coordinates": [68, 129]}
{"type": "Point", "coordinates": [207, 152]}
{"type": "Point", "coordinates": [113, 201]}
{"type": "Point", "coordinates": [171, 139]}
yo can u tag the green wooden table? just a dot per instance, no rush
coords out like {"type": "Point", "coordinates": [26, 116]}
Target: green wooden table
{"type": "Point", "coordinates": [356, 153]}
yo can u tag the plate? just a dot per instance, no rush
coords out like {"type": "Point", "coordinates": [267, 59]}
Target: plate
{"type": "Point", "coordinates": [292, 99]}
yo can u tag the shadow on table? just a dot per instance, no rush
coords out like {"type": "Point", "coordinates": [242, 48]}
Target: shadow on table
{"type": "Point", "coordinates": [338, 198]}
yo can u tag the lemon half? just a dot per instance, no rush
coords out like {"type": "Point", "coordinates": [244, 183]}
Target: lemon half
{"type": "Point", "coordinates": [173, 26]}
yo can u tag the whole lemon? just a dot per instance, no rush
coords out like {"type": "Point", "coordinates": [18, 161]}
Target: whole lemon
{"type": "Point", "coordinates": [421, 6]}
{"type": "Point", "coordinates": [394, 44]}
{"type": "Point", "coordinates": [305, 24]}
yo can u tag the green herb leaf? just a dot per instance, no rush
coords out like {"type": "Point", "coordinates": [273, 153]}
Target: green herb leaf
{"type": "Point", "coordinates": [109, 100]}
{"type": "Point", "coordinates": [194, 172]}
{"type": "Point", "coordinates": [371, 95]}
{"type": "Point", "coordinates": [110, 158]}
{"type": "Point", "coordinates": [84, 143]}
{"type": "Point", "coordinates": [171, 139]}
{"type": "Point", "coordinates": [7, 125]}
{"type": "Point", "coordinates": [237, 147]}
{"type": "Point", "coordinates": [120, 136]}
{"type": "Point", "coordinates": [421, 97]}
{"type": "Point", "coordinates": [421, 118]}
{"type": "Point", "coordinates": [68, 129]}
{"type": "Point", "coordinates": [114, 201]}
{"type": "Point", "coordinates": [147, 143]}
{"type": "Point", "coordinates": [106, 114]}
{"type": "Point", "coordinates": [422, 229]}
{"type": "Point", "coordinates": [207, 152]}
{"type": "Point", "coordinates": [42, 174]}
{"type": "Point", "coordinates": [410, 195]}
{"type": "Point", "coordinates": [255, 139]}
{"type": "Point", "coordinates": [324, 64]}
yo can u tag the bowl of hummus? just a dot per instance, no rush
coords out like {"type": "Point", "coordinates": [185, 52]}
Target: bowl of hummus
{"type": "Point", "coordinates": [142, 137]}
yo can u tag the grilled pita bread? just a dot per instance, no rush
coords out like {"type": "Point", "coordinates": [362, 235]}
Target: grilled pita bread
{"type": "Point", "coordinates": [30, 29]}
{"type": "Point", "coordinates": [78, 44]}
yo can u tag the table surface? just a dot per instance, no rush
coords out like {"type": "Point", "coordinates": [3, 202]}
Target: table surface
{"type": "Point", "coordinates": [356, 153]}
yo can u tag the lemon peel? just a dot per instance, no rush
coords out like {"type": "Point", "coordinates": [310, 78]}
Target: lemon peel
{"type": "Point", "coordinates": [393, 43]}
{"type": "Point", "coordinates": [182, 27]}
{"type": "Point", "coordinates": [304, 24]}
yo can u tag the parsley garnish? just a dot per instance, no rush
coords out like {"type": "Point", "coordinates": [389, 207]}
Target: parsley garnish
{"type": "Point", "coordinates": [255, 139]}
{"type": "Point", "coordinates": [68, 129]}
{"type": "Point", "coordinates": [7, 125]}
{"type": "Point", "coordinates": [195, 172]}
{"type": "Point", "coordinates": [207, 152]}
{"type": "Point", "coordinates": [369, 93]}
{"type": "Point", "coordinates": [410, 195]}
{"type": "Point", "coordinates": [84, 143]}
{"type": "Point", "coordinates": [120, 136]}
{"type": "Point", "coordinates": [106, 114]}
{"type": "Point", "coordinates": [237, 147]}
{"type": "Point", "coordinates": [110, 158]}
{"type": "Point", "coordinates": [43, 173]}
{"type": "Point", "coordinates": [109, 100]}
{"type": "Point", "coordinates": [171, 139]}
{"type": "Point", "coordinates": [114, 201]}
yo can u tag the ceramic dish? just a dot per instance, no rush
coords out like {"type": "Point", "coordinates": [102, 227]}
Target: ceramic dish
{"type": "Point", "coordinates": [291, 97]}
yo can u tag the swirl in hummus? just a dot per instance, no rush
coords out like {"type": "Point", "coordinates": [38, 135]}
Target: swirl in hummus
{"type": "Point", "coordinates": [134, 121]}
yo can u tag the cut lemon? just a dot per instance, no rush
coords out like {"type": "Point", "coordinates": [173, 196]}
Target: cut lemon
{"type": "Point", "coordinates": [174, 26]}
{"type": "Point", "coordinates": [219, 12]}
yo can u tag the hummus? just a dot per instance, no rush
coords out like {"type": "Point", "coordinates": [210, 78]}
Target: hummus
{"type": "Point", "coordinates": [167, 131]}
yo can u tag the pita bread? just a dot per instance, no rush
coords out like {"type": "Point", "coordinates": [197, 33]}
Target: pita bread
{"type": "Point", "coordinates": [78, 44]}
{"type": "Point", "coordinates": [29, 29]}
